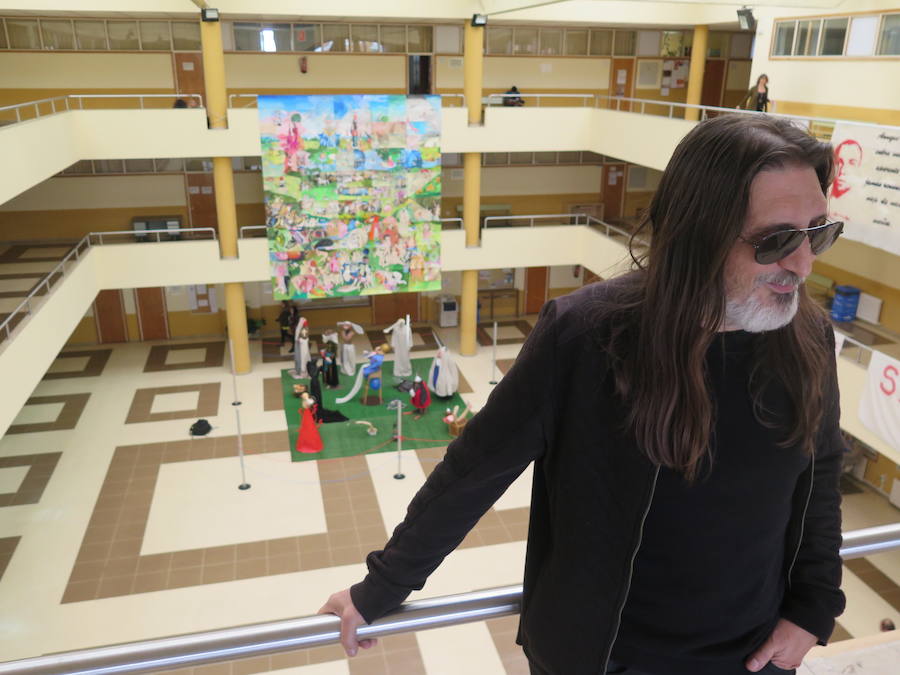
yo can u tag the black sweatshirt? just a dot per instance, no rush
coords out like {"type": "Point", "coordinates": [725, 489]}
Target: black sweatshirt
{"type": "Point", "coordinates": [709, 577]}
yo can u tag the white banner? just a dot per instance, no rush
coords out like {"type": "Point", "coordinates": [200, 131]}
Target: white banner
{"type": "Point", "coordinates": [838, 342]}
{"type": "Point", "coordinates": [879, 408]}
{"type": "Point", "coordinates": [866, 189]}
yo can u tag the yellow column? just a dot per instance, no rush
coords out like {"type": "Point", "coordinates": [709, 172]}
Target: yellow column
{"type": "Point", "coordinates": [223, 180]}
{"type": "Point", "coordinates": [698, 66]}
{"type": "Point", "coordinates": [473, 75]}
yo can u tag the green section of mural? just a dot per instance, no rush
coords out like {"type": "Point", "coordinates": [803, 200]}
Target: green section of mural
{"type": "Point", "coordinates": [352, 188]}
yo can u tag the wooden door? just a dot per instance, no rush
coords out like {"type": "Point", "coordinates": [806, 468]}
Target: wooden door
{"type": "Point", "coordinates": [388, 308]}
{"type": "Point", "coordinates": [713, 82]}
{"type": "Point", "coordinates": [201, 200]}
{"type": "Point", "coordinates": [613, 191]}
{"type": "Point", "coordinates": [189, 73]}
{"type": "Point", "coordinates": [109, 317]}
{"type": "Point", "coordinates": [589, 277]}
{"type": "Point", "coordinates": [537, 281]}
{"type": "Point", "coordinates": [153, 320]}
{"type": "Point", "coordinates": [621, 81]}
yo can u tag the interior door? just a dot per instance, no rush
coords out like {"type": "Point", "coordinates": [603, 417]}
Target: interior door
{"type": "Point", "coordinates": [201, 199]}
{"type": "Point", "coordinates": [622, 80]}
{"type": "Point", "coordinates": [109, 317]}
{"type": "Point", "coordinates": [419, 76]}
{"type": "Point", "coordinates": [537, 281]}
{"type": "Point", "coordinates": [713, 82]}
{"type": "Point", "coordinates": [189, 72]}
{"type": "Point", "coordinates": [390, 307]}
{"type": "Point", "coordinates": [153, 320]}
{"type": "Point", "coordinates": [613, 190]}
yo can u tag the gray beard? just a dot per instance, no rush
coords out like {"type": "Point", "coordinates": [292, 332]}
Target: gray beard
{"type": "Point", "coordinates": [753, 316]}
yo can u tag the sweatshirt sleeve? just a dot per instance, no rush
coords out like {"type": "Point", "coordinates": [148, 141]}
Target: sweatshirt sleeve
{"type": "Point", "coordinates": [814, 598]}
{"type": "Point", "coordinates": [493, 449]}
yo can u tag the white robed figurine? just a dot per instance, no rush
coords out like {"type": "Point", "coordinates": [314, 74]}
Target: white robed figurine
{"type": "Point", "coordinates": [443, 378]}
{"type": "Point", "coordinates": [401, 343]}
{"type": "Point", "coordinates": [347, 330]}
{"type": "Point", "coordinates": [301, 347]}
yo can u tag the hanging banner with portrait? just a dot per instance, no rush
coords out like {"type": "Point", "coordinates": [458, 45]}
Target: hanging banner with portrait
{"type": "Point", "coordinates": [866, 189]}
{"type": "Point", "coordinates": [352, 188]}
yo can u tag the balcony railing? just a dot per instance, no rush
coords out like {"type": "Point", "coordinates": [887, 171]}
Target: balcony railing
{"type": "Point", "coordinates": [249, 100]}
{"type": "Point", "coordinates": [21, 112]}
{"type": "Point", "coordinates": [314, 631]}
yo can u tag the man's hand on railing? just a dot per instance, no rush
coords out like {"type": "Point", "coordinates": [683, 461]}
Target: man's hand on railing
{"type": "Point", "coordinates": [342, 606]}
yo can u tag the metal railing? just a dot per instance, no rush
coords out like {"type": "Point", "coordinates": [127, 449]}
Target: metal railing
{"type": "Point", "coordinates": [251, 103]}
{"type": "Point", "coordinates": [254, 229]}
{"type": "Point", "coordinates": [452, 223]}
{"type": "Point", "coordinates": [569, 218]}
{"type": "Point", "coordinates": [26, 307]}
{"type": "Point", "coordinates": [314, 631]}
{"type": "Point", "coordinates": [57, 104]}
{"type": "Point", "coordinates": [587, 99]}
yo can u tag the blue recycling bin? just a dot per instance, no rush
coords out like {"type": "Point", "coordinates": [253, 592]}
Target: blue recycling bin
{"type": "Point", "coordinates": [846, 301]}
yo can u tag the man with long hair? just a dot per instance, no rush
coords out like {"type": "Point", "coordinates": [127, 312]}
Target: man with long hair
{"type": "Point", "coordinates": [683, 420]}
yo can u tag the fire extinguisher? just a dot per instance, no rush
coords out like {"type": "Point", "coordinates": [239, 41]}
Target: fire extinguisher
{"type": "Point", "coordinates": [303, 64]}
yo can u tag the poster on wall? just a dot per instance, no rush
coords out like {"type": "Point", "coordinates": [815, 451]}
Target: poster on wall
{"type": "Point", "coordinates": [865, 193]}
{"type": "Point", "coordinates": [881, 399]}
{"type": "Point", "coordinates": [352, 188]}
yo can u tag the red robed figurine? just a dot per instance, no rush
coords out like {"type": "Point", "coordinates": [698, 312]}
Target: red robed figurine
{"type": "Point", "coordinates": [308, 439]}
{"type": "Point", "coordinates": [421, 397]}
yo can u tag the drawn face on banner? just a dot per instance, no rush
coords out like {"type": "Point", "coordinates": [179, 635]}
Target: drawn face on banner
{"type": "Point", "coordinates": [847, 160]}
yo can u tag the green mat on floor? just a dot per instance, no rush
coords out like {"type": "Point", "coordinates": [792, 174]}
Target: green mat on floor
{"type": "Point", "coordinates": [345, 439]}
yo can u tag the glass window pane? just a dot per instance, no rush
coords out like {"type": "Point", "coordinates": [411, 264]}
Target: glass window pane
{"type": "Point", "coordinates": [23, 34]}
{"type": "Point", "coordinates": [451, 159]}
{"type": "Point", "coordinates": [807, 37]}
{"type": "Point", "coordinates": [246, 37]}
{"type": "Point", "coordinates": [393, 38]}
{"type": "Point", "coordinates": [365, 38]}
{"type": "Point", "coordinates": [83, 166]}
{"type": "Point", "coordinates": [275, 37]}
{"type": "Point", "coordinates": [591, 157]}
{"type": "Point", "coordinates": [672, 43]}
{"type": "Point", "coordinates": [569, 157]}
{"type": "Point", "coordinates": [252, 163]}
{"type": "Point", "coordinates": [551, 41]}
{"type": "Point", "coordinates": [601, 42]}
{"type": "Point", "coordinates": [420, 38]}
{"type": "Point", "coordinates": [499, 40]}
{"type": "Point", "coordinates": [545, 158]}
{"type": "Point", "coordinates": [306, 37]}
{"type": "Point", "coordinates": [200, 164]}
{"type": "Point", "coordinates": [624, 43]}
{"type": "Point", "coordinates": [139, 166]}
{"type": "Point", "coordinates": [496, 158]}
{"type": "Point", "coordinates": [335, 37]}
{"type": "Point", "coordinates": [576, 42]}
{"type": "Point", "coordinates": [155, 35]}
{"type": "Point", "coordinates": [186, 35]}
{"type": "Point", "coordinates": [741, 46]}
{"type": "Point", "coordinates": [521, 158]}
{"type": "Point", "coordinates": [90, 34]}
{"type": "Point", "coordinates": [716, 44]}
{"type": "Point", "coordinates": [784, 38]}
{"type": "Point", "coordinates": [3, 44]}
{"type": "Point", "coordinates": [835, 30]}
{"type": "Point", "coordinates": [525, 41]}
{"type": "Point", "coordinates": [57, 34]}
{"type": "Point", "coordinates": [447, 40]}
{"type": "Point", "coordinates": [122, 35]}
{"type": "Point", "coordinates": [167, 164]}
{"type": "Point", "coordinates": [890, 35]}
{"type": "Point", "coordinates": [108, 166]}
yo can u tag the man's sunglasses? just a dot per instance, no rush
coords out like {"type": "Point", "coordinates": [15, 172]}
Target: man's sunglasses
{"type": "Point", "coordinates": [779, 245]}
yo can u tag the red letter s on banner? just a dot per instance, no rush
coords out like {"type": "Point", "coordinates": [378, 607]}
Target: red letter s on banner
{"type": "Point", "coordinates": [888, 372]}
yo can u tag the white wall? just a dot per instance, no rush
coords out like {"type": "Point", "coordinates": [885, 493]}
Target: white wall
{"type": "Point", "coordinates": [102, 192]}
{"type": "Point", "coordinates": [528, 180]}
{"type": "Point", "coordinates": [86, 70]}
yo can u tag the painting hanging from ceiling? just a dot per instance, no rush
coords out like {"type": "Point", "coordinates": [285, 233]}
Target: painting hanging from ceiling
{"type": "Point", "coordinates": [352, 190]}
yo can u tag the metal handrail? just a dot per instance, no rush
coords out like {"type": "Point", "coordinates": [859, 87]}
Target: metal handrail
{"type": "Point", "coordinates": [249, 228]}
{"type": "Point", "coordinates": [79, 99]}
{"type": "Point", "coordinates": [314, 631]}
{"type": "Point", "coordinates": [578, 217]}
{"type": "Point", "coordinates": [232, 97]}
{"type": "Point", "coordinates": [140, 97]}
{"type": "Point", "coordinates": [447, 221]}
{"type": "Point", "coordinates": [490, 99]}
{"type": "Point", "coordinates": [88, 240]}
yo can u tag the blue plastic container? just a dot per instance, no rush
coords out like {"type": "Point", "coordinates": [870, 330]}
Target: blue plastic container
{"type": "Point", "coordinates": [846, 300]}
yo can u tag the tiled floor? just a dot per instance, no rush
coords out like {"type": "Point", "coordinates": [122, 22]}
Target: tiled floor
{"type": "Point", "coordinates": [67, 413]}
{"type": "Point", "coordinates": [122, 514]}
{"type": "Point", "coordinates": [508, 332]}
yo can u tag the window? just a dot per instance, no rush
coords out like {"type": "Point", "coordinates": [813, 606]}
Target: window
{"type": "Point", "coordinates": [335, 37]}
{"type": "Point", "coordinates": [448, 39]}
{"type": "Point", "coordinates": [3, 43]}
{"type": "Point", "coordinates": [499, 40]}
{"type": "Point", "coordinates": [807, 37]}
{"type": "Point", "coordinates": [545, 158]}
{"type": "Point", "coordinates": [496, 159]}
{"type": "Point", "coordinates": [155, 35]}
{"type": "Point", "coordinates": [57, 34]}
{"type": "Point", "coordinates": [23, 34]}
{"type": "Point", "coordinates": [275, 37]}
{"type": "Point", "coordinates": [419, 39]}
{"type": "Point", "coordinates": [648, 42]}
{"type": "Point", "coordinates": [80, 167]}
{"type": "Point", "coordinates": [551, 41]}
{"type": "Point", "coordinates": [833, 34]}
{"type": "Point", "coordinates": [393, 38]}
{"type": "Point", "coordinates": [520, 158]}
{"type": "Point", "coordinates": [716, 45]}
{"type": "Point", "coordinates": [624, 43]}
{"type": "Point", "coordinates": [576, 42]}
{"type": "Point", "coordinates": [90, 34]}
{"type": "Point", "coordinates": [863, 30]}
{"type": "Point", "coordinates": [186, 35]}
{"type": "Point", "coordinates": [123, 35]}
{"type": "Point", "coordinates": [601, 42]}
{"type": "Point", "coordinates": [365, 38]}
{"type": "Point", "coordinates": [525, 41]}
{"type": "Point", "coordinates": [169, 164]}
{"type": "Point", "coordinates": [889, 44]}
{"type": "Point", "coordinates": [138, 166]}
{"type": "Point", "coordinates": [246, 37]}
{"type": "Point", "coordinates": [306, 37]}
{"type": "Point", "coordinates": [673, 44]}
{"type": "Point", "coordinates": [784, 38]}
{"type": "Point", "coordinates": [569, 157]}
{"type": "Point", "coordinates": [108, 166]}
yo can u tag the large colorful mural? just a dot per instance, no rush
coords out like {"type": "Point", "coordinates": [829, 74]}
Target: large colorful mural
{"type": "Point", "coordinates": [352, 189]}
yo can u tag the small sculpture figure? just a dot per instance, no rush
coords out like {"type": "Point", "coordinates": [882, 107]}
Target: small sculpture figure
{"type": "Point", "coordinates": [421, 397]}
{"type": "Point", "coordinates": [329, 357]}
{"type": "Point", "coordinates": [401, 343]}
{"type": "Point", "coordinates": [308, 439]}
{"type": "Point", "coordinates": [443, 376]}
{"type": "Point", "coordinates": [301, 348]}
{"type": "Point", "coordinates": [348, 352]}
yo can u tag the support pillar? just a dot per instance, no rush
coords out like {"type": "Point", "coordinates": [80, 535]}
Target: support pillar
{"type": "Point", "coordinates": [473, 72]}
{"type": "Point", "coordinates": [223, 180]}
{"type": "Point", "coordinates": [698, 67]}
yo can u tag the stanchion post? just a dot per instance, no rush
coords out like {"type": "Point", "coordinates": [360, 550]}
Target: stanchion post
{"type": "Point", "coordinates": [398, 404]}
{"type": "Point", "coordinates": [237, 417]}
{"type": "Point", "coordinates": [494, 357]}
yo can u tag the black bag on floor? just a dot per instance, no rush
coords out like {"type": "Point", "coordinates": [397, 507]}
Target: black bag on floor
{"type": "Point", "coordinates": [200, 428]}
